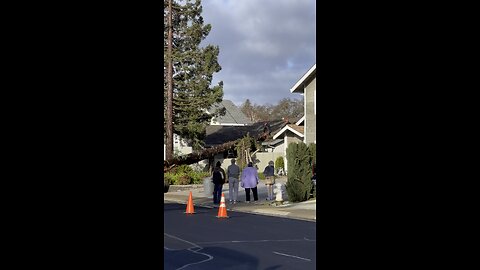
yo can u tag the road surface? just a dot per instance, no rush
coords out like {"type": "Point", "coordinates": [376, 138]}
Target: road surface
{"type": "Point", "coordinates": [243, 241]}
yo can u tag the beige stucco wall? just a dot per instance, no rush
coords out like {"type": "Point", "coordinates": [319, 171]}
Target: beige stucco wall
{"type": "Point", "coordinates": [264, 158]}
{"type": "Point", "coordinates": [290, 137]}
{"type": "Point", "coordinates": [261, 160]}
{"type": "Point", "coordinates": [310, 115]}
{"type": "Point", "coordinates": [279, 148]}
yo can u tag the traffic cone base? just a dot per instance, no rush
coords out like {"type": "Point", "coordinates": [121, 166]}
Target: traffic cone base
{"type": "Point", "coordinates": [190, 209]}
{"type": "Point", "coordinates": [222, 210]}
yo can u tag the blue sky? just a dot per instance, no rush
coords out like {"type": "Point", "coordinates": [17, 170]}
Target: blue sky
{"type": "Point", "coordinates": [265, 46]}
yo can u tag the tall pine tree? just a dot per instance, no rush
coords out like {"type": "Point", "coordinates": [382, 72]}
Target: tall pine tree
{"type": "Point", "coordinates": [193, 69]}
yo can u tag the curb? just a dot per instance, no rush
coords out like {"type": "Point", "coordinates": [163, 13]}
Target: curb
{"type": "Point", "coordinates": [263, 212]}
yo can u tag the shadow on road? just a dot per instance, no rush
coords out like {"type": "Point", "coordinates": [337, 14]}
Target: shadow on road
{"type": "Point", "coordinates": [174, 207]}
{"type": "Point", "coordinates": [221, 258]}
{"type": "Point", "coordinates": [181, 208]}
{"type": "Point", "coordinates": [273, 267]}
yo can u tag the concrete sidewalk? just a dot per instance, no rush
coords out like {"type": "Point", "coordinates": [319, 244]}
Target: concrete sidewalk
{"type": "Point", "coordinates": [303, 211]}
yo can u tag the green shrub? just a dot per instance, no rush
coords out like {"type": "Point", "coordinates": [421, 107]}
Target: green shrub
{"type": "Point", "coordinates": [168, 178]}
{"type": "Point", "coordinates": [312, 149]}
{"type": "Point", "coordinates": [197, 177]}
{"type": "Point", "coordinates": [279, 163]}
{"type": "Point", "coordinates": [261, 176]}
{"type": "Point", "coordinates": [299, 179]}
{"type": "Point", "coordinates": [183, 176]}
{"type": "Point", "coordinates": [183, 169]}
{"type": "Point", "coordinates": [178, 178]}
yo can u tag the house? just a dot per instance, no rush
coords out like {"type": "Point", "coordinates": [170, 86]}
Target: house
{"type": "Point", "coordinates": [307, 86]}
{"type": "Point", "coordinates": [217, 135]}
{"type": "Point", "coordinates": [288, 133]}
{"type": "Point", "coordinates": [233, 115]}
{"type": "Point", "coordinates": [180, 146]}
{"type": "Point", "coordinates": [303, 130]}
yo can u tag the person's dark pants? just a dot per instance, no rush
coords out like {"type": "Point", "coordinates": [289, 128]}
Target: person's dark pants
{"type": "Point", "coordinates": [217, 193]}
{"type": "Point", "coordinates": [255, 194]}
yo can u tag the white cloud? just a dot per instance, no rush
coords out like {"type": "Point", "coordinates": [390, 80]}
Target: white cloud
{"type": "Point", "coordinates": [265, 46]}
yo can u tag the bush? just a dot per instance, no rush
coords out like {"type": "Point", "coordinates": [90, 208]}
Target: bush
{"type": "Point", "coordinates": [197, 177]}
{"type": "Point", "coordinates": [299, 179]}
{"type": "Point", "coordinates": [183, 169]}
{"type": "Point", "coordinates": [312, 149]}
{"type": "Point", "coordinates": [261, 176]}
{"type": "Point", "coordinates": [185, 175]}
{"type": "Point", "coordinates": [178, 178]}
{"type": "Point", "coordinates": [168, 178]}
{"type": "Point", "coordinates": [279, 163]}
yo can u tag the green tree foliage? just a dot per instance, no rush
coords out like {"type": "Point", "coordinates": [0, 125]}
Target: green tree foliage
{"type": "Point", "coordinates": [286, 108]}
{"type": "Point", "coordinates": [185, 175]}
{"type": "Point", "coordinates": [247, 143]}
{"type": "Point", "coordinates": [299, 183]}
{"type": "Point", "coordinates": [193, 69]}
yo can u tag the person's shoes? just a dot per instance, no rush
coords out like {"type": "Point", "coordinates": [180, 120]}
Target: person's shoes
{"type": "Point", "coordinates": [230, 201]}
{"type": "Point", "coordinates": [247, 201]}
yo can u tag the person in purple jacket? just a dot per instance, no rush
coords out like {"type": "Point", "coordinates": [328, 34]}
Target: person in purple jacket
{"type": "Point", "coordinates": [250, 181]}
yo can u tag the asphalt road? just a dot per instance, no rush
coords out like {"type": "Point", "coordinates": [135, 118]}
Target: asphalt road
{"type": "Point", "coordinates": [243, 241]}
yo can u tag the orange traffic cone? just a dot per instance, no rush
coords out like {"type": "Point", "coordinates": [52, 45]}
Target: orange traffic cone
{"type": "Point", "coordinates": [222, 211]}
{"type": "Point", "coordinates": [190, 205]}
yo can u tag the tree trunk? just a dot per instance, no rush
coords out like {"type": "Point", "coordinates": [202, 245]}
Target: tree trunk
{"type": "Point", "coordinates": [195, 157]}
{"type": "Point", "coordinates": [201, 155]}
{"type": "Point", "coordinates": [169, 128]}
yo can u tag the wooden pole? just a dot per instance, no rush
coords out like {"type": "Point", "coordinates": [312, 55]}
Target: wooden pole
{"type": "Point", "coordinates": [169, 128]}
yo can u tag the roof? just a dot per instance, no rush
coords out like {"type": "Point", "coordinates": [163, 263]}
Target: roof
{"type": "Point", "coordinates": [300, 121]}
{"type": "Point", "coordinates": [307, 77]}
{"type": "Point", "coordinates": [233, 114]}
{"type": "Point", "coordinates": [217, 134]}
{"type": "Point", "coordinates": [272, 142]}
{"type": "Point", "coordinates": [297, 130]}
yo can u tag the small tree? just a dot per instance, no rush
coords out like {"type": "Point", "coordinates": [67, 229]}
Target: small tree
{"type": "Point", "coordinates": [246, 144]}
{"type": "Point", "coordinates": [299, 183]}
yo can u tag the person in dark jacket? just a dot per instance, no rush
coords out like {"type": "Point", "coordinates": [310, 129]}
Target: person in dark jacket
{"type": "Point", "coordinates": [269, 174]}
{"type": "Point", "coordinates": [218, 179]}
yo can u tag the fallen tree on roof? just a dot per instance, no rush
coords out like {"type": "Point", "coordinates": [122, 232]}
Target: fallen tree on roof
{"type": "Point", "coordinates": [195, 157]}
{"type": "Point", "coordinates": [208, 153]}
